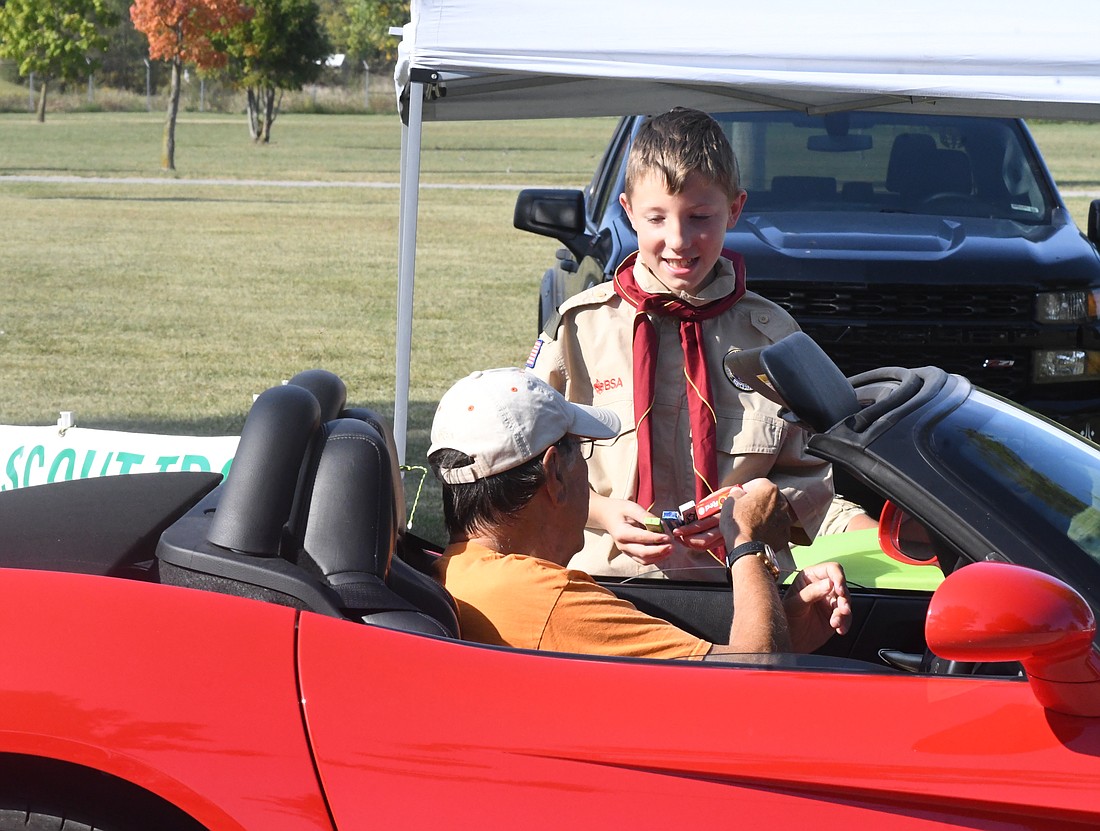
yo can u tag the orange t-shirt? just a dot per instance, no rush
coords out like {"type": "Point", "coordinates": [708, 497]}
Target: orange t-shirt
{"type": "Point", "coordinates": [525, 602]}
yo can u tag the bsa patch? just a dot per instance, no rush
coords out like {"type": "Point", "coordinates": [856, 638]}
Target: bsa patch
{"type": "Point", "coordinates": [534, 356]}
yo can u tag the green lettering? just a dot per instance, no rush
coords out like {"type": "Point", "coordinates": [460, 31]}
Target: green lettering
{"type": "Point", "coordinates": [128, 460]}
{"type": "Point", "coordinates": [37, 451]}
{"type": "Point", "coordinates": [106, 463]}
{"type": "Point", "coordinates": [13, 474]}
{"type": "Point", "coordinates": [165, 462]}
{"type": "Point", "coordinates": [226, 466]}
{"type": "Point", "coordinates": [191, 462]}
{"type": "Point", "coordinates": [66, 455]}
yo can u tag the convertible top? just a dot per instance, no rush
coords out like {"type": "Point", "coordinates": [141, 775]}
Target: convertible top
{"type": "Point", "coordinates": [95, 526]}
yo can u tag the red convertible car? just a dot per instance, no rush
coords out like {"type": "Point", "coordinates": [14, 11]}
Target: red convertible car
{"type": "Point", "coordinates": [267, 653]}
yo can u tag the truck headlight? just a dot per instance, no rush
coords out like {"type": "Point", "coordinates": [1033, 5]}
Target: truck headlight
{"type": "Point", "coordinates": [1053, 365]}
{"type": "Point", "coordinates": [1077, 306]}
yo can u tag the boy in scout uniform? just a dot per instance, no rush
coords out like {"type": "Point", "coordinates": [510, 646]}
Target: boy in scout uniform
{"type": "Point", "coordinates": [650, 346]}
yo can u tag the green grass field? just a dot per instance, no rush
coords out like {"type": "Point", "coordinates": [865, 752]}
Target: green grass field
{"type": "Point", "coordinates": [163, 304]}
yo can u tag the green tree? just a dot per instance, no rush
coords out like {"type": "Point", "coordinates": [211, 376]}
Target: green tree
{"type": "Point", "coordinates": [54, 39]}
{"type": "Point", "coordinates": [366, 32]}
{"type": "Point", "coordinates": [123, 65]}
{"type": "Point", "coordinates": [281, 47]}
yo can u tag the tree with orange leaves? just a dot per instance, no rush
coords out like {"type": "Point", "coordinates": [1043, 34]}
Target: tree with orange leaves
{"type": "Point", "coordinates": [185, 31]}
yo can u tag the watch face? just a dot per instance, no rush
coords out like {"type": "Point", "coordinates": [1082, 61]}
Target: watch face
{"type": "Point", "coordinates": [771, 561]}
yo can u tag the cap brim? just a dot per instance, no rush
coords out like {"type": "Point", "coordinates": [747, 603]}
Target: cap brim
{"type": "Point", "coordinates": [594, 422]}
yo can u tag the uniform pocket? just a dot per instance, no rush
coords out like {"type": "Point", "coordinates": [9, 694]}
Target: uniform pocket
{"type": "Point", "coordinates": [750, 433]}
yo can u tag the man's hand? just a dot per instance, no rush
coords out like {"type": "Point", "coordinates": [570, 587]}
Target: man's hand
{"type": "Point", "coordinates": [817, 606]}
{"type": "Point", "coordinates": [759, 512]}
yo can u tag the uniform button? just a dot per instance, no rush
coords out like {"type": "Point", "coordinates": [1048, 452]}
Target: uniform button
{"type": "Point", "coordinates": [764, 318]}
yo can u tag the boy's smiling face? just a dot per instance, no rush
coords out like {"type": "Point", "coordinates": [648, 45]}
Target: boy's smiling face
{"type": "Point", "coordinates": [681, 235]}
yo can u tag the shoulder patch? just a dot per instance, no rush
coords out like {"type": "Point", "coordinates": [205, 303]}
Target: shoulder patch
{"type": "Point", "coordinates": [534, 356]}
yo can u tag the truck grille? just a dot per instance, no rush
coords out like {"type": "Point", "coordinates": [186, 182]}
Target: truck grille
{"type": "Point", "coordinates": [913, 326]}
{"type": "Point", "coordinates": [903, 303]}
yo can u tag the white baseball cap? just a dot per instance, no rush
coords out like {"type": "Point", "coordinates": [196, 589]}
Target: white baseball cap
{"type": "Point", "coordinates": [502, 418]}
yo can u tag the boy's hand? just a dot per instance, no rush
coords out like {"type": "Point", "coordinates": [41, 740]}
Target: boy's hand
{"type": "Point", "coordinates": [701, 535]}
{"type": "Point", "coordinates": [625, 522]}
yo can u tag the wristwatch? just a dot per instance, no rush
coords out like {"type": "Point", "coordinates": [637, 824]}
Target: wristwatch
{"type": "Point", "coordinates": [761, 550]}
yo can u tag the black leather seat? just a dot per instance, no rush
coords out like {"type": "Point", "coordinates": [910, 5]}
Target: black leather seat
{"type": "Point", "coordinates": [308, 517]}
{"type": "Point", "coordinates": [350, 536]}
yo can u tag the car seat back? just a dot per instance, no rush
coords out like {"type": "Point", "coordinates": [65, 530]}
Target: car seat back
{"type": "Point", "coordinates": [910, 165]}
{"type": "Point", "coordinates": [307, 518]}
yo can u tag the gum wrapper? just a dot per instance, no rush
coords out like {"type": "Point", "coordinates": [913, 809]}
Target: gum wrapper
{"type": "Point", "coordinates": [671, 519]}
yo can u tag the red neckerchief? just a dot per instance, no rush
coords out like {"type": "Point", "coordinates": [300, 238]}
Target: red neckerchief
{"type": "Point", "coordinates": [701, 411]}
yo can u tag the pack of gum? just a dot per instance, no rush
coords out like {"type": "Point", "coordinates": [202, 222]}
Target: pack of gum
{"type": "Point", "coordinates": [710, 505]}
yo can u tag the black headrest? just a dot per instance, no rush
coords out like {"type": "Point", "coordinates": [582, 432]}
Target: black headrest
{"type": "Point", "coordinates": [910, 162]}
{"type": "Point", "coordinates": [258, 493]}
{"type": "Point", "coordinates": [382, 426]}
{"type": "Point", "coordinates": [349, 525]}
{"type": "Point", "coordinates": [797, 374]}
{"type": "Point", "coordinates": [328, 388]}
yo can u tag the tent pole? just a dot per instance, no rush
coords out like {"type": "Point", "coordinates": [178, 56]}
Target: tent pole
{"type": "Point", "coordinates": [406, 261]}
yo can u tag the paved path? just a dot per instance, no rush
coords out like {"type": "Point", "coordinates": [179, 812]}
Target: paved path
{"type": "Point", "coordinates": [315, 183]}
{"type": "Point", "coordinates": [252, 183]}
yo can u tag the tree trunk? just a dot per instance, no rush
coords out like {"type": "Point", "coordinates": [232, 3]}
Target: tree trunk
{"type": "Point", "coordinates": [168, 152]}
{"type": "Point", "coordinates": [42, 101]}
{"type": "Point", "coordinates": [254, 128]}
{"type": "Point", "coordinates": [270, 111]}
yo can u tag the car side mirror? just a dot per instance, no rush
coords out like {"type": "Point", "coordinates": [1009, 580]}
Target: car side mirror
{"type": "Point", "coordinates": [903, 538]}
{"type": "Point", "coordinates": [989, 611]}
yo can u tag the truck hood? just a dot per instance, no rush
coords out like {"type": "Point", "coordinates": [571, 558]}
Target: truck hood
{"type": "Point", "coordinates": [892, 247]}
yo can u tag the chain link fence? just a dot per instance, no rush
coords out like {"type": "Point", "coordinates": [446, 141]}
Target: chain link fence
{"type": "Point", "coordinates": [133, 88]}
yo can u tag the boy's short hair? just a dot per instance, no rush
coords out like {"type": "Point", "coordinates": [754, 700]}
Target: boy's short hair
{"type": "Point", "coordinates": [681, 142]}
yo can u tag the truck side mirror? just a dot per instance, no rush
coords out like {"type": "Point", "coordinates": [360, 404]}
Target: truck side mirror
{"type": "Point", "coordinates": [1093, 232]}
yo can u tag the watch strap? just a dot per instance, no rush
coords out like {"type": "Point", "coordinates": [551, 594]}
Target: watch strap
{"type": "Point", "coordinates": [743, 550]}
{"type": "Point", "coordinates": [759, 549]}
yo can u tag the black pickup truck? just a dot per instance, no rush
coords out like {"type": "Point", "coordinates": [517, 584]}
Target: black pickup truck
{"type": "Point", "coordinates": [893, 239]}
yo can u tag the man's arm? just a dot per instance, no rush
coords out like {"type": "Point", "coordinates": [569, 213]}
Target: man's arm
{"type": "Point", "coordinates": [755, 512]}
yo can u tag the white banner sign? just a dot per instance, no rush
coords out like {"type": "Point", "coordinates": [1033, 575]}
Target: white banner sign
{"type": "Point", "coordinates": [39, 455]}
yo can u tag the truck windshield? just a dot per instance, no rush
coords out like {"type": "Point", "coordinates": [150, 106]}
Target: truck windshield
{"type": "Point", "coordinates": [864, 161]}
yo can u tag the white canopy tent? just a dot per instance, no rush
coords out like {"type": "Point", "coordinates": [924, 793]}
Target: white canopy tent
{"type": "Point", "coordinates": [502, 59]}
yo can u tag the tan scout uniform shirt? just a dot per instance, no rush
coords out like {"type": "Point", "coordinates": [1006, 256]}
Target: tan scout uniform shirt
{"type": "Point", "coordinates": [589, 359]}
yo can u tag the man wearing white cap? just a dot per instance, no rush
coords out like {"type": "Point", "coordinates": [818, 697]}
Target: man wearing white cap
{"type": "Point", "coordinates": [511, 454]}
